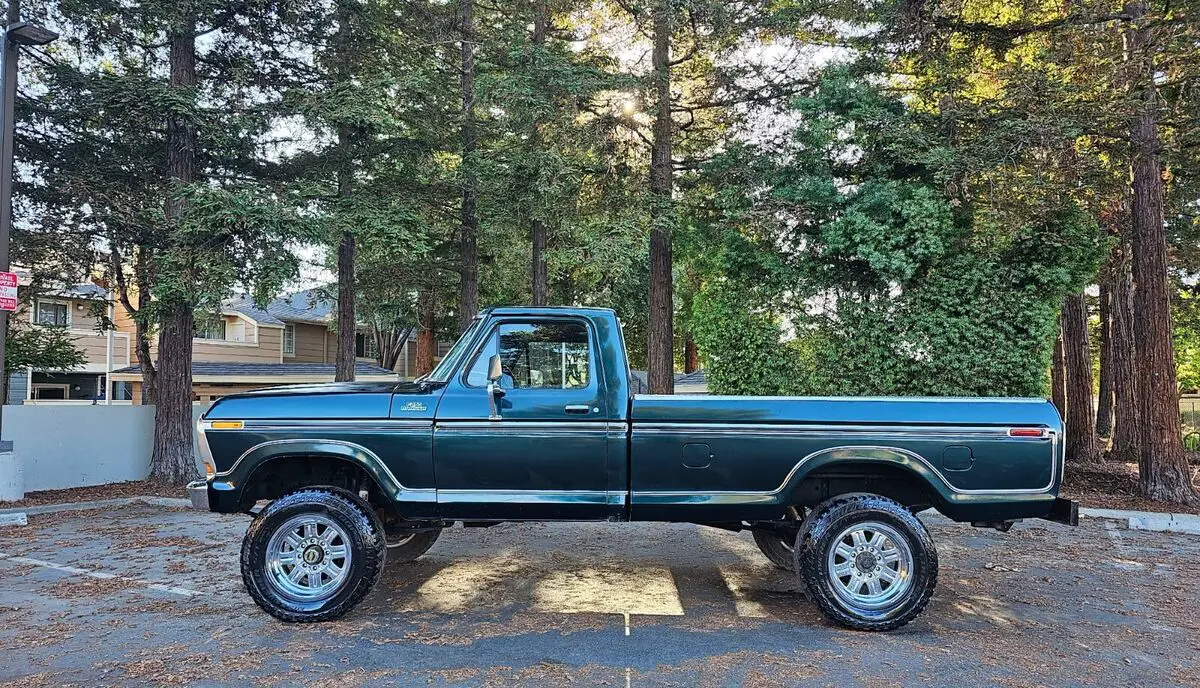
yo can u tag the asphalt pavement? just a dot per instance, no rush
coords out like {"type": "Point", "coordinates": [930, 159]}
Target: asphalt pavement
{"type": "Point", "coordinates": [151, 595]}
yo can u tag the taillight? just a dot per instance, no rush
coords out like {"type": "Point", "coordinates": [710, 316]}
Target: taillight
{"type": "Point", "coordinates": [1027, 432]}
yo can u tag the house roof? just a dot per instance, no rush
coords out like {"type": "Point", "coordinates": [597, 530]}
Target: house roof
{"type": "Point", "coordinates": [269, 373]}
{"type": "Point", "coordinates": [245, 306]}
{"type": "Point", "coordinates": [694, 378]}
{"type": "Point", "coordinates": [309, 305]}
{"type": "Point", "coordinates": [302, 306]}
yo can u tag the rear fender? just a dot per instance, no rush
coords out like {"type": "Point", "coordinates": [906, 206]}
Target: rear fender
{"type": "Point", "coordinates": [858, 456]}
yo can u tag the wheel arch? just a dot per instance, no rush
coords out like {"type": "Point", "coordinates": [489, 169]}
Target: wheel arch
{"type": "Point", "coordinates": [890, 471]}
{"type": "Point", "coordinates": [277, 467]}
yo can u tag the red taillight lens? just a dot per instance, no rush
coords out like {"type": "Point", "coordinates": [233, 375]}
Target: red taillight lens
{"type": "Point", "coordinates": [1026, 432]}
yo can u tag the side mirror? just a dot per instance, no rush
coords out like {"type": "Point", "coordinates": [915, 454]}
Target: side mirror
{"type": "Point", "coordinates": [495, 368]}
{"type": "Point", "coordinates": [495, 372]}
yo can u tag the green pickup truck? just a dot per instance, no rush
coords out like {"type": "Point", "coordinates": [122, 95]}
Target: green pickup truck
{"type": "Point", "coordinates": [531, 417]}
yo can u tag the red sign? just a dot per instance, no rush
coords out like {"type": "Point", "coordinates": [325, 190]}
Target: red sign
{"type": "Point", "coordinates": [8, 291]}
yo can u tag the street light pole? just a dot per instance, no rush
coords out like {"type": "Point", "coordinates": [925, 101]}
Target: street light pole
{"type": "Point", "coordinates": [16, 34]}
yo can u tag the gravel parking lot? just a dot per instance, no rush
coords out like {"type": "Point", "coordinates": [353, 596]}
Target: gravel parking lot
{"type": "Point", "coordinates": [152, 595]}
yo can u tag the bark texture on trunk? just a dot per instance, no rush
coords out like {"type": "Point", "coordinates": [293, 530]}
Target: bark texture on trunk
{"type": "Point", "coordinates": [540, 285]}
{"type": "Point", "coordinates": [1126, 428]}
{"type": "Point", "coordinates": [1104, 401]}
{"type": "Point", "coordinates": [660, 355]}
{"type": "Point", "coordinates": [1058, 376]}
{"type": "Point", "coordinates": [346, 321]}
{"type": "Point", "coordinates": [1082, 445]}
{"type": "Point", "coordinates": [426, 331]}
{"type": "Point", "coordinates": [1164, 471]}
{"type": "Point", "coordinates": [171, 461]}
{"type": "Point", "coordinates": [691, 355]}
{"type": "Point", "coordinates": [468, 297]}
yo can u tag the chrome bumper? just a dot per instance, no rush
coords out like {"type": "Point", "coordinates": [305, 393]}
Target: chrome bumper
{"type": "Point", "coordinates": [198, 493]}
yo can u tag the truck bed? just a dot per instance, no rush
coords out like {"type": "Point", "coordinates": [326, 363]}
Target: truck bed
{"type": "Point", "coordinates": [722, 454]}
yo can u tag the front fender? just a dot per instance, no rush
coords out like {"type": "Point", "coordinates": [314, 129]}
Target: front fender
{"type": "Point", "coordinates": [225, 489]}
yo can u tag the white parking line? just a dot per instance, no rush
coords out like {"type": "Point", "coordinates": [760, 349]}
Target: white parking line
{"type": "Point", "coordinates": [102, 575]}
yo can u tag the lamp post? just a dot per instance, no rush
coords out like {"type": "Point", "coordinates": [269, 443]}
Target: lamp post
{"type": "Point", "coordinates": [16, 34]}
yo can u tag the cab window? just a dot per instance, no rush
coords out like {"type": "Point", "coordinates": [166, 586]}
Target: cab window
{"type": "Point", "coordinates": [538, 355]}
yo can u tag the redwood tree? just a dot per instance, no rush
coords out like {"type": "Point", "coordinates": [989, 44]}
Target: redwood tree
{"type": "Point", "coordinates": [468, 296]}
{"type": "Point", "coordinates": [660, 357]}
{"type": "Point", "coordinates": [1163, 466]}
{"type": "Point", "coordinates": [1082, 446]}
{"type": "Point", "coordinates": [172, 461]}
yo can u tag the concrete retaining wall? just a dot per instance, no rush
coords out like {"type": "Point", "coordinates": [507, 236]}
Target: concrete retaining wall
{"type": "Point", "coordinates": [75, 446]}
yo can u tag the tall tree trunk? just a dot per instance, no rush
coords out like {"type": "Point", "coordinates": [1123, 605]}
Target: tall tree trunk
{"type": "Point", "coordinates": [347, 312]}
{"type": "Point", "coordinates": [1104, 403]}
{"type": "Point", "coordinates": [1082, 446]}
{"type": "Point", "coordinates": [426, 331]}
{"type": "Point", "coordinates": [538, 233]}
{"type": "Point", "coordinates": [691, 355]}
{"type": "Point", "coordinates": [346, 320]}
{"type": "Point", "coordinates": [1058, 377]}
{"type": "Point", "coordinates": [660, 358]}
{"type": "Point", "coordinates": [1164, 470]}
{"type": "Point", "coordinates": [468, 297]}
{"type": "Point", "coordinates": [1126, 428]}
{"type": "Point", "coordinates": [171, 461]}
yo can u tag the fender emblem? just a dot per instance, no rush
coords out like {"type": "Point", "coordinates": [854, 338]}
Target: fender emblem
{"type": "Point", "coordinates": [412, 406]}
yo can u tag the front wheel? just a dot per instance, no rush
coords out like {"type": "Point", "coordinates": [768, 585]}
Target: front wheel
{"type": "Point", "coordinates": [868, 562]}
{"type": "Point", "coordinates": [312, 555]}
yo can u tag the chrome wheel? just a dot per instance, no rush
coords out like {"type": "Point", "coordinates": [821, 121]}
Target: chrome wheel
{"type": "Point", "coordinates": [870, 566]}
{"type": "Point", "coordinates": [308, 558]}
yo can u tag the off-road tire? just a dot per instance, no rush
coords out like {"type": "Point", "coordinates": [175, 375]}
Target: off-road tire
{"type": "Point", "coordinates": [412, 549]}
{"type": "Point", "coordinates": [777, 547]}
{"type": "Point", "coordinates": [817, 539]}
{"type": "Point", "coordinates": [366, 541]}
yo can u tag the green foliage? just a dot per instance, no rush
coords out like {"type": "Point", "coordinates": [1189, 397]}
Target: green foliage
{"type": "Point", "coordinates": [887, 288]}
{"type": "Point", "coordinates": [43, 348]}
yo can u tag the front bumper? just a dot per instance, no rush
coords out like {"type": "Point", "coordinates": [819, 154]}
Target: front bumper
{"type": "Point", "coordinates": [198, 493]}
{"type": "Point", "coordinates": [1064, 511]}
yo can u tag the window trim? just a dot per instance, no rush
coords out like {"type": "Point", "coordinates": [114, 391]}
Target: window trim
{"type": "Point", "coordinates": [593, 350]}
{"type": "Point", "coordinates": [37, 306]}
{"type": "Point", "coordinates": [224, 333]}
{"type": "Point", "coordinates": [288, 327]}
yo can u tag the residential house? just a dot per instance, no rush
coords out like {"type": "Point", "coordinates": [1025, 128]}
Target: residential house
{"type": "Point", "coordinates": [290, 341]}
{"type": "Point", "coordinates": [80, 309]}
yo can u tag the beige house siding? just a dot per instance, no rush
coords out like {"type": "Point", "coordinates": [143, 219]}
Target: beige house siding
{"type": "Point", "coordinates": [311, 345]}
{"type": "Point", "coordinates": [265, 350]}
{"type": "Point", "coordinates": [94, 346]}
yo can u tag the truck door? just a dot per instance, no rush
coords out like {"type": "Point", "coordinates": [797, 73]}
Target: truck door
{"type": "Point", "coordinates": [545, 456]}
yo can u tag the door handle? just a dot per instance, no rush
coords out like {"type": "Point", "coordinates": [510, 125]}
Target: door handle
{"type": "Point", "coordinates": [580, 409]}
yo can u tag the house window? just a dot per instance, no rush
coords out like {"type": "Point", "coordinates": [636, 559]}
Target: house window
{"type": "Point", "coordinates": [213, 330]}
{"type": "Point", "coordinates": [53, 313]}
{"type": "Point", "coordinates": [364, 346]}
{"type": "Point", "coordinates": [289, 340]}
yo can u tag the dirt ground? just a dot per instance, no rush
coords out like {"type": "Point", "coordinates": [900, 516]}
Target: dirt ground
{"type": "Point", "coordinates": [147, 595]}
{"type": "Point", "coordinates": [1114, 485]}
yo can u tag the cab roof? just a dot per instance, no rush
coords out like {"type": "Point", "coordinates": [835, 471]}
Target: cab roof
{"type": "Point", "coordinates": [546, 310]}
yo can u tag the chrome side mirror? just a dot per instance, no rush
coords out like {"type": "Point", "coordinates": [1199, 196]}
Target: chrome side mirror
{"type": "Point", "coordinates": [495, 368]}
{"type": "Point", "coordinates": [495, 372]}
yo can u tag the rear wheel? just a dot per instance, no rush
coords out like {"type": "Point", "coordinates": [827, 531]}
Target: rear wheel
{"type": "Point", "coordinates": [407, 546]}
{"type": "Point", "coordinates": [868, 562]}
{"type": "Point", "coordinates": [313, 554]}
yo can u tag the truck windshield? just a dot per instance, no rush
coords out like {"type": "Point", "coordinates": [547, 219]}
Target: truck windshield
{"type": "Point", "coordinates": [446, 367]}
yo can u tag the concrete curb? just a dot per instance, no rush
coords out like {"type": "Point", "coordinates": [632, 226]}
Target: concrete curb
{"type": "Point", "coordinates": [1149, 520]}
{"type": "Point", "coordinates": [84, 506]}
{"type": "Point", "coordinates": [17, 519]}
